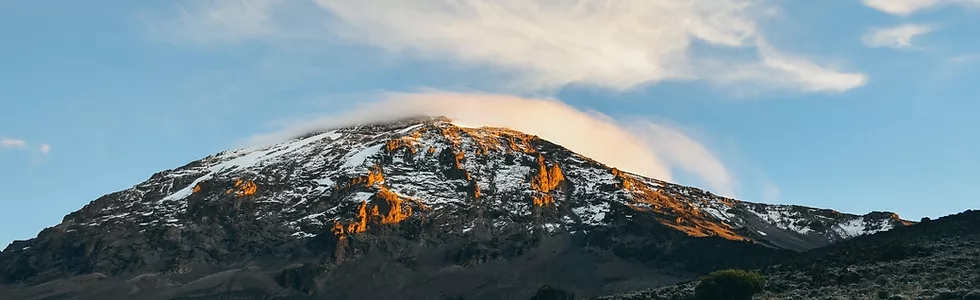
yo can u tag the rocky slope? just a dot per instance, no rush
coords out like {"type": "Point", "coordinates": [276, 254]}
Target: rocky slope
{"type": "Point", "coordinates": [417, 208]}
{"type": "Point", "coordinates": [937, 259]}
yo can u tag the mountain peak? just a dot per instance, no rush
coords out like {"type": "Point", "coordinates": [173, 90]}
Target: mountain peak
{"type": "Point", "coordinates": [410, 186]}
{"type": "Point", "coordinates": [406, 121]}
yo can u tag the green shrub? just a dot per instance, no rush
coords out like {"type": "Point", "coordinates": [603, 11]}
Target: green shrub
{"type": "Point", "coordinates": [729, 285]}
{"type": "Point", "coordinates": [548, 292]}
{"type": "Point", "coordinates": [974, 295]}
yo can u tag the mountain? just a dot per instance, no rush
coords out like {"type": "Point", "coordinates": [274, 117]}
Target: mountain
{"type": "Point", "coordinates": [419, 208]}
{"type": "Point", "coordinates": [936, 259]}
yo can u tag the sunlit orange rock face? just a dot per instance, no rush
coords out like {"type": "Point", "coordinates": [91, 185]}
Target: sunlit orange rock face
{"type": "Point", "coordinates": [488, 139]}
{"type": "Point", "coordinates": [406, 142]}
{"type": "Point", "coordinates": [476, 190]}
{"type": "Point", "coordinates": [546, 181]}
{"type": "Point", "coordinates": [373, 177]}
{"type": "Point", "coordinates": [243, 191]}
{"type": "Point", "coordinates": [361, 224]}
{"type": "Point", "coordinates": [673, 211]}
{"type": "Point", "coordinates": [385, 206]}
{"type": "Point", "coordinates": [895, 217]}
{"type": "Point", "coordinates": [519, 143]}
{"type": "Point", "coordinates": [392, 208]}
{"type": "Point", "coordinates": [548, 177]}
{"type": "Point", "coordinates": [459, 162]}
{"type": "Point", "coordinates": [542, 200]}
{"type": "Point", "coordinates": [247, 189]}
{"type": "Point", "coordinates": [242, 188]}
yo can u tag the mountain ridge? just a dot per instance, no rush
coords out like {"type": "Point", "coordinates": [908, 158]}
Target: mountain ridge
{"type": "Point", "coordinates": [934, 259]}
{"type": "Point", "coordinates": [336, 196]}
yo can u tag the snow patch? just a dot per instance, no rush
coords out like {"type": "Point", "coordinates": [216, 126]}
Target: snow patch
{"type": "Point", "coordinates": [324, 182]}
{"type": "Point", "coordinates": [592, 214]}
{"type": "Point", "coordinates": [186, 191]}
{"type": "Point", "coordinates": [855, 227]}
{"type": "Point", "coordinates": [253, 158]}
{"type": "Point", "coordinates": [551, 227]}
{"type": "Point", "coordinates": [361, 197]}
{"type": "Point", "coordinates": [783, 218]}
{"type": "Point", "coordinates": [717, 213]}
{"type": "Point", "coordinates": [409, 128]}
{"type": "Point", "coordinates": [357, 159]}
{"type": "Point", "coordinates": [302, 234]}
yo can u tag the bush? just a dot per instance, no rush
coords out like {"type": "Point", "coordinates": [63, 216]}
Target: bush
{"type": "Point", "coordinates": [548, 292]}
{"type": "Point", "coordinates": [729, 285]}
{"type": "Point", "coordinates": [974, 295]}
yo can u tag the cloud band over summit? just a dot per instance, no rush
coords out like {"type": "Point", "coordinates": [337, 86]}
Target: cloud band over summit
{"type": "Point", "coordinates": [544, 45]}
{"type": "Point", "coordinates": [644, 147]}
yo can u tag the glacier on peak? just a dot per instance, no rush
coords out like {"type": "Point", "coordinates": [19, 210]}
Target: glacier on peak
{"type": "Point", "coordinates": [416, 192]}
{"type": "Point", "coordinates": [498, 163]}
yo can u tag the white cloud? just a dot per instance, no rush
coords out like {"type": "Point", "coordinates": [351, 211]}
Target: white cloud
{"type": "Point", "coordinates": [682, 151]}
{"type": "Point", "coordinates": [543, 45]}
{"type": "Point", "coordinates": [782, 70]}
{"type": "Point", "coordinates": [908, 7]}
{"type": "Point", "coordinates": [12, 143]}
{"type": "Point", "coordinates": [18, 143]}
{"type": "Point", "coordinates": [643, 147]}
{"type": "Point", "coordinates": [901, 7]}
{"type": "Point", "coordinates": [613, 44]}
{"type": "Point", "coordinates": [965, 58]}
{"type": "Point", "coordinates": [895, 37]}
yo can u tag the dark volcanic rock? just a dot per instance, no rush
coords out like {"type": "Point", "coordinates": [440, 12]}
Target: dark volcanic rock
{"type": "Point", "coordinates": [417, 209]}
{"type": "Point", "coordinates": [939, 259]}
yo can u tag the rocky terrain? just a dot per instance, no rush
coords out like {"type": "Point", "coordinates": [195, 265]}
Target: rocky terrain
{"type": "Point", "coordinates": [934, 260]}
{"type": "Point", "coordinates": [413, 209]}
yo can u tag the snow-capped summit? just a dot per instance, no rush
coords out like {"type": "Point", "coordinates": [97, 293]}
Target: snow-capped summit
{"type": "Point", "coordinates": [425, 181]}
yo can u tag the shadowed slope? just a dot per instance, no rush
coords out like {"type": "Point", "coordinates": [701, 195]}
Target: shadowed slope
{"type": "Point", "coordinates": [937, 259]}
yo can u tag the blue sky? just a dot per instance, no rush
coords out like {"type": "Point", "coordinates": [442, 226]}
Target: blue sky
{"type": "Point", "coordinates": [851, 105]}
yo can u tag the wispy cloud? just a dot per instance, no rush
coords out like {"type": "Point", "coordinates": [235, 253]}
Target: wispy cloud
{"type": "Point", "coordinates": [901, 7]}
{"type": "Point", "coordinates": [682, 151]}
{"type": "Point", "coordinates": [641, 146]}
{"type": "Point", "coordinates": [965, 58]}
{"type": "Point", "coordinates": [908, 7]}
{"type": "Point", "coordinates": [544, 45]}
{"type": "Point", "coordinates": [895, 37]}
{"type": "Point", "coordinates": [770, 192]}
{"type": "Point", "coordinates": [617, 45]}
{"type": "Point", "coordinates": [22, 144]}
{"type": "Point", "coordinates": [782, 70]}
{"type": "Point", "coordinates": [12, 143]}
